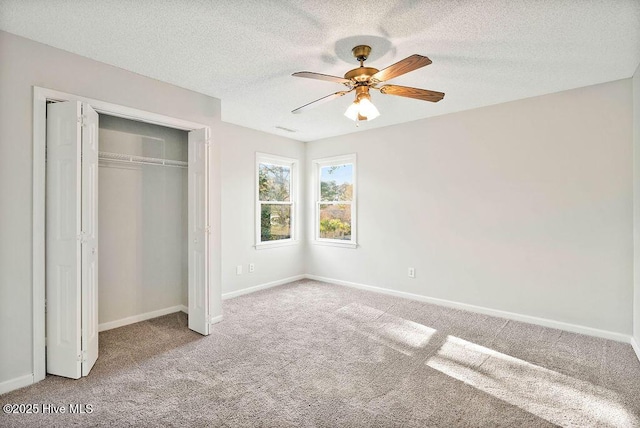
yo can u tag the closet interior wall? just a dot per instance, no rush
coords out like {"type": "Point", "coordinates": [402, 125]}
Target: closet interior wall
{"type": "Point", "coordinates": [142, 221]}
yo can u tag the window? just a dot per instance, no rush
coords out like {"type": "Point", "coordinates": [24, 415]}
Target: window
{"type": "Point", "coordinates": [275, 200]}
{"type": "Point", "coordinates": [335, 201]}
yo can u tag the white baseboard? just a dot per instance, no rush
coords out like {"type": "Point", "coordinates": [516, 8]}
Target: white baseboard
{"type": "Point", "coordinates": [18, 382]}
{"type": "Point", "coordinates": [635, 346]}
{"type": "Point", "coordinates": [142, 317]}
{"type": "Point", "coordinates": [264, 286]}
{"type": "Point", "coordinates": [574, 328]}
{"type": "Point", "coordinates": [213, 320]}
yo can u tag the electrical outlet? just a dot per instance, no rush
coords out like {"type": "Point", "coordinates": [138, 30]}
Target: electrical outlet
{"type": "Point", "coordinates": [252, 267]}
{"type": "Point", "coordinates": [412, 272]}
{"type": "Point", "coordinates": [239, 270]}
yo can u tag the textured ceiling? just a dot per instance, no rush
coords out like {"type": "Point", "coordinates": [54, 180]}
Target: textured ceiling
{"type": "Point", "coordinates": [243, 52]}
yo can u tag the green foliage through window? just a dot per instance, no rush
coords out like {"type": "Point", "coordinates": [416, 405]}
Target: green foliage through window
{"type": "Point", "coordinates": [274, 182]}
{"type": "Point", "coordinates": [336, 194]}
{"type": "Point", "coordinates": [274, 185]}
{"type": "Point", "coordinates": [335, 221]}
{"type": "Point", "coordinates": [275, 222]}
{"type": "Point", "coordinates": [336, 183]}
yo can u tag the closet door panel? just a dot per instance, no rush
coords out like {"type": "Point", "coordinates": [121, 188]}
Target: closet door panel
{"type": "Point", "coordinates": [63, 240]}
{"type": "Point", "coordinates": [198, 232]}
{"type": "Point", "coordinates": [89, 238]}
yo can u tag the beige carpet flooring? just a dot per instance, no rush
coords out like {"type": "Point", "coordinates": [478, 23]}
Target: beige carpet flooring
{"type": "Point", "coordinates": [312, 354]}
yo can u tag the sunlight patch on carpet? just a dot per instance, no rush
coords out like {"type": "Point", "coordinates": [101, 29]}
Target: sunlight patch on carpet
{"type": "Point", "coordinates": [556, 397]}
{"type": "Point", "coordinates": [392, 331]}
{"type": "Point", "coordinates": [407, 332]}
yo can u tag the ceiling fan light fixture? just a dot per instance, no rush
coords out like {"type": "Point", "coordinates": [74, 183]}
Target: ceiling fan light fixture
{"type": "Point", "coordinates": [362, 109]}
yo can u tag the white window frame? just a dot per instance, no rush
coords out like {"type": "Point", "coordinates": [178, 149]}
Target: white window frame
{"type": "Point", "coordinates": [318, 164]}
{"type": "Point", "coordinates": [293, 199]}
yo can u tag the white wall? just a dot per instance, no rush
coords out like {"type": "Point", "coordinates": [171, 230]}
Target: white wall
{"type": "Point", "coordinates": [636, 206]}
{"type": "Point", "coordinates": [24, 63]}
{"type": "Point", "coordinates": [239, 147]}
{"type": "Point", "coordinates": [524, 207]}
{"type": "Point", "coordinates": [143, 257]}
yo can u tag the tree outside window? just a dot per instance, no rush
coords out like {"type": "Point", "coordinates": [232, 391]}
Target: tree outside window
{"type": "Point", "coordinates": [275, 201]}
{"type": "Point", "coordinates": [335, 206]}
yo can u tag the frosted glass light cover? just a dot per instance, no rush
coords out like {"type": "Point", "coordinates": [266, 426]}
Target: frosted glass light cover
{"type": "Point", "coordinates": [368, 110]}
{"type": "Point", "coordinates": [362, 108]}
{"type": "Point", "coordinates": [352, 111]}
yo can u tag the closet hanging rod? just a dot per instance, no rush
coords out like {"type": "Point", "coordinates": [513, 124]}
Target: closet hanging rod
{"type": "Point", "coordinates": [118, 157]}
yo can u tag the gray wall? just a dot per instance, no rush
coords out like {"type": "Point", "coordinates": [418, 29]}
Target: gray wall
{"type": "Point", "coordinates": [239, 149]}
{"type": "Point", "coordinates": [143, 253]}
{"type": "Point", "coordinates": [25, 63]}
{"type": "Point", "coordinates": [636, 200]}
{"type": "Point", "coordinates": [524, 207]}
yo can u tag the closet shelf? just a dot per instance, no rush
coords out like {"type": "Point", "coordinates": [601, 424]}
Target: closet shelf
{"type": "Point", "coordinates": [118, 157]}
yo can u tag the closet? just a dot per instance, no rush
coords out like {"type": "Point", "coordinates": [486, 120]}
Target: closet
{"type": "Point", "coordinates": [126, 229]}
{"type": "Point", "coordinates": [142, 220]}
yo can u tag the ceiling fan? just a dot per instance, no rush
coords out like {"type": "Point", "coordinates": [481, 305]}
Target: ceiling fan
{"type": "Point", "coordinates": [363, 79]}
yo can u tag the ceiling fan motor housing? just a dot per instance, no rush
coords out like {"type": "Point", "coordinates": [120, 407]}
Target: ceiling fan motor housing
{"type": "Point", "coordinates": [361, 74]}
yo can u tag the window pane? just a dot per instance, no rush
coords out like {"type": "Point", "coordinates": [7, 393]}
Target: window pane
{"type": "Point", "coordinates": [275, 222]}
{"type": "Point", "coordinates": [335, 221]}
{"type": "Point", "coordinates": [336, 183]}
{"type": "Point", "coordinates": [274, 182]}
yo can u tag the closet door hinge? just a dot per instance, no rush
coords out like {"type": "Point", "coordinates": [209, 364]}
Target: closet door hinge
{"type": "Point", "coordinates": [82, 237]}
{"type": "Point", "coordinates": [207, 229]}
{"type": "Point", "coordinates": [81, 120]}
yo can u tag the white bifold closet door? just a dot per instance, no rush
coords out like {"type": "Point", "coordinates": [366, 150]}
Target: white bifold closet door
{"type": "Point", "coordinates": [198, 231]}
{"type": "Point", "coordinates": [72, 239]}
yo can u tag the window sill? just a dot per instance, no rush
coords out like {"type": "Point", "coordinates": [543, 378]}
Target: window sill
{"type": "Point", "coordinates": [275, 244]}
{"type": "Point", "coordinates": [341, 244]}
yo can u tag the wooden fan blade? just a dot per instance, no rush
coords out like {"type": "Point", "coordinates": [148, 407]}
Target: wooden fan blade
{"type": "Point", "coordinates": [318, 76]}
{"type": "Point", "coordinates": [408, 64]}
{"type": "Point", "coordinates": [322, 100]}
{"type": "Point", "coordinates": [419, 94]}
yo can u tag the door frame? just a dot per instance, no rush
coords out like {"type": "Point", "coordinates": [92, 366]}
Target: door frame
{"type": "Point", "coordinates": [40, 98]}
